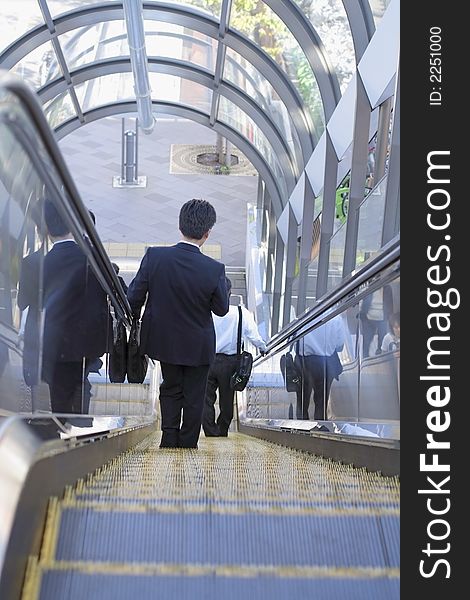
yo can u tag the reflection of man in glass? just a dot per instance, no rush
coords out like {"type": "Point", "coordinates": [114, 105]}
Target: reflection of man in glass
{"type": "Point", "coordinates": [318, 359]}
{"type": "Point", "coordinates": [76, 317]}
{"type": "Point", "coordinates": [30, 300]}
{"type": "Point", "coordinates": [375, 310]}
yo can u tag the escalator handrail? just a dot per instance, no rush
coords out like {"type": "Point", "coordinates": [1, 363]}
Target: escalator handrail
{"type": "Point", "coordinates": [72, 198]}
{"type": "Point", "coordinates": [296, 329]}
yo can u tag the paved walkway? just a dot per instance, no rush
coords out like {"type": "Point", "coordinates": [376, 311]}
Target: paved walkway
{"type": "Point", "coordinates": [150, 215]}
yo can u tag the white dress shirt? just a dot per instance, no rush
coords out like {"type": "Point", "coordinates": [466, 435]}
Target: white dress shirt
{"type": "Point", "coordinates": [324, 340]}
{"type": "Point", "coordinates": [226, 329]}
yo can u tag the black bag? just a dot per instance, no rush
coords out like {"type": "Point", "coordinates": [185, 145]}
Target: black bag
{"type": "Point", "coordinates": [291, 374]}
{"type": "Point", "coordinates": [137, 363]}
{"type": "Point", "coordinates": [118, 354]}
{"type": "Point", "coordinates": [242, 373]}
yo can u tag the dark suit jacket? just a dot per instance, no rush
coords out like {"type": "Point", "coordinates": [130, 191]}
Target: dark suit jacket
{"type": "Point", "coordinates": [29, 295]}
{"type": "Point", "coordinates": [77, 321]}
{"type": "Point", "coordinates": [183, 287]}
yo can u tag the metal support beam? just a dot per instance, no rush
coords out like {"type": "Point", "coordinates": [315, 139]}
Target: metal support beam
{"type": "Point", "coordinates": [306, 241]}
{"type": "Point", "coordinates": [381, 147]}
{"type": "Point", "coordinates": [361, 23]}
{"type": "Point", "coordinates": [278, 281]}
{"type": "Point", "coordinates": [313, 48]}
{"type": "Point", "coordinates": [271, 250]}
{"type": "Point", "coordinates": [391, 224]}
{"type": "Point", "coordinates": [290, 258]}
{"type": "Point", "coordinates": [358, 175]}
{"type": "Point", "coordinates": [134, 19]}
{"type": "Point", "coordinates": [60, 57]}
{"type": "Point", "coordinates": [327, 216]}
{"type": "Point", "coordinates": [220, 60]}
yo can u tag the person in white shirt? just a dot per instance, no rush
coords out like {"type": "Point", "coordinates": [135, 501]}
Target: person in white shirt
{"type": "Point", "coordinates": [224, 365]}
{"type": "Point", "coordinates": [317, 358]}
{"type": "Point", "coordinates": [391, 341]}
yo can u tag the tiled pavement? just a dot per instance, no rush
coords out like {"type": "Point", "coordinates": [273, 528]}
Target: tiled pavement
{"type": "Point", "coordinates": [150, 215]}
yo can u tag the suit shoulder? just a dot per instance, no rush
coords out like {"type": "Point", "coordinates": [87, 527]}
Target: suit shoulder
{"type": "Point", "coordinates": [215, 264]}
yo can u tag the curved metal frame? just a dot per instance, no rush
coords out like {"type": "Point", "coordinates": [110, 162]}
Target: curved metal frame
{"type": "Point", "coordinates": [314, 50]}
{"type": "Point", "coordinates": [198, 75]}
{"type": "Point", "coordinates": [188, 18]}
{"type": "Point", "coordinates": [192, 114]}
{"type": "Point", "coordinates": [361, 23]}
{"type": "Point", "coordinates": [300, 158]}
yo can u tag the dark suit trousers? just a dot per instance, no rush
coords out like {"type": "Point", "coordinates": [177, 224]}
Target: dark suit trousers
{"type": "Point", "coordinates": [182, 394]}
{"type": "Point", "coordinates": [219, 377]}
{"type": "Point", "coordinates": [316, 378]}
{"type": "Point", "coordinates": [65, 387]}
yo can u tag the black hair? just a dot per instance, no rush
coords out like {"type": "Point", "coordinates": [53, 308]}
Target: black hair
{"type": "Point", "coordinates": [56, 226]}
{"type": "Point", "coordinates": [115, 267]}
{"type": "Point", "coordinates": [92, 216]}
{"type": "Point", "coordinates": [197, 217]}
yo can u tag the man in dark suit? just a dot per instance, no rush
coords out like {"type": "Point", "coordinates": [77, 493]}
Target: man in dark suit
{"type": "Point", "coordinates": [76, 324]}
{"type": "Point", "coordinates": [182, 286]}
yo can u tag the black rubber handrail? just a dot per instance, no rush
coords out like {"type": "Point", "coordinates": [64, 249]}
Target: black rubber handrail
{"type": "Point", "coordinates": [349, 290]}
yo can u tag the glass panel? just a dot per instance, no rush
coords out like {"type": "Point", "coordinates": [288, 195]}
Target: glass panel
{"type": "Point", "coordinates": [120, 86]}
{"type": "Point", "coordinates": [170, 88]}
{"type": "Point", "coordinates": [239, 120]}
{"type": "Point", "coordinates": [330, 21]}
{"type": "Point", "coordinates": [59, 110]}
{"type": "Point", "coordinates": [246, 77]}
{"type": "Point", "coordinates": [335, 266]}
{"type": "Point", "coordinates": [378, 8]}
{"type": "Point", "coordinates": [54, 315]}
{"type": "Point", "coordinates": [57, 7]}
{"type": "Point", "coordinates": [21, 234]}
{"type": "Point", "coordinates": [342, 202]}
{"type": "Point", "coordinates": [325, 382]}
{"type": "Point", "coordinates": [208, 6]}
{"type": "Point", "coordinates": [16, 18]}
{"type": "Point", "coordinates": [371, 217]}
{"type": "Point", "coordinates": [94, 43]}
{"type": "Point", "coordinates": [105, 90]}
{"type": "Point", "coordinates": [38, 67]}
{"type": "Point", "coordinates": [267, 30]}
{"type": "Point", "coordinates": [181, 43]}
{"type": "Point", "coordinates": [104, 40]}
{"type": "Point", "coordinates": [312, 277]}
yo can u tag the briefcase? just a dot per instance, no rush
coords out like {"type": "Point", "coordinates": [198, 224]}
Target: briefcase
{"type": "Point", "coordinates": [242, 373]}
{"type": "Point", "coordinates": [118, 354]}
{"type": "Point", "coordinates": [137, 363]}
{"type": "Point", "coordinates": [292, 376]}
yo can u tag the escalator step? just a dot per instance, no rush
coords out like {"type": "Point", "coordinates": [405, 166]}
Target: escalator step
{"type": "Point", "coordinates": [216, 539]}
{"type": "Point", "coordinates": [78, 586]}
{"type": "Point", "coordinates": [239, 517]}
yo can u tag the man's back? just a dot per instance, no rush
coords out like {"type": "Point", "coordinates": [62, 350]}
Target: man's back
{"type": "Point", "coordinates": [76, 319]}
{"type": "Point", "coordinates": [226, 330]}
{"type": "Point", "coordinates": [183, 287]}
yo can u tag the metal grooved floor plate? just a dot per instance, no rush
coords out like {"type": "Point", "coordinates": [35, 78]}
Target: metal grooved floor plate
{"type": "Point", "coordinates": [237, 518]}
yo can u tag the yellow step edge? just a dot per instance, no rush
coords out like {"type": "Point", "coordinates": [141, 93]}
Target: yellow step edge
{"type": "Point", "coordinates": [128, 507]}
{"type": "Point", "coordinates": [32, 580]}
{"type": "Point", "coordinates": [51, 531]}
{"type": "Point", "coordinates": [247, 571]}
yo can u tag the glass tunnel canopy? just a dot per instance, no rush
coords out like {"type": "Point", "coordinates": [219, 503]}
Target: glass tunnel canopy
{"type": "Point", "coordinates": [280, 67]}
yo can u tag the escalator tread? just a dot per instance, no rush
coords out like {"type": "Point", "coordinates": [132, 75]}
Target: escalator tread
{"type": "Point", "coordinates": [237, 516]}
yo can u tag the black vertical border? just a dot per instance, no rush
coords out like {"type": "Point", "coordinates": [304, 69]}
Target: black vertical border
{"type": "Point", "coordinates": [426, 128]}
